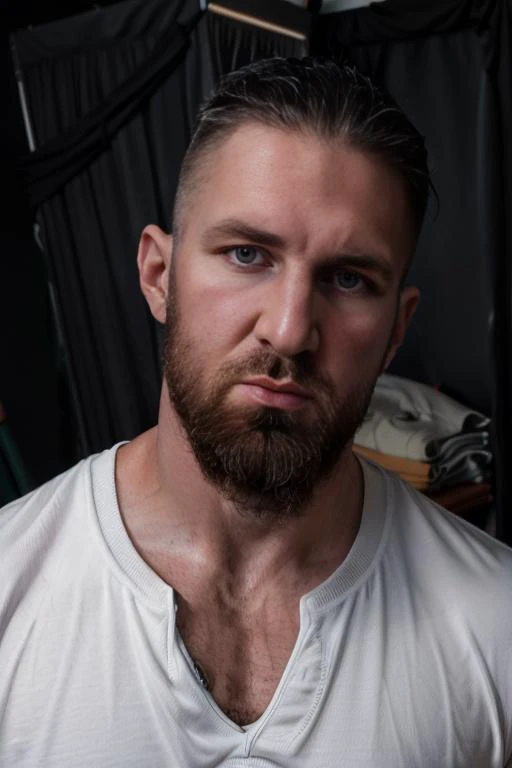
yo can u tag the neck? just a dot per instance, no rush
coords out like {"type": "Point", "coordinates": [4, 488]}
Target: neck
{"type": "Point", "coordinates": [181, 524]}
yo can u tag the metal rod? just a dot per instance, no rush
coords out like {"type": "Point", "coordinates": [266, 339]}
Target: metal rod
{"type": "Point", "coordinates": [23, 97]}
{"type": "Point", "coordinates": [256, 22]}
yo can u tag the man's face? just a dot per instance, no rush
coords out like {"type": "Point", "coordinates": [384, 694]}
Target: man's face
{"type": "Point", "coordinates": [284, 305]}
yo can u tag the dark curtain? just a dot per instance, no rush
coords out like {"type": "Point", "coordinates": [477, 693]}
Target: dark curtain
{"type": "Point", "coordinates": [111, 96]}
{"type": "Point", "coordinates": [233, 45]}
{"type": "Point", "coordinates": [446, 64]}
{"type": "Point", "coordinates": [31, 389]}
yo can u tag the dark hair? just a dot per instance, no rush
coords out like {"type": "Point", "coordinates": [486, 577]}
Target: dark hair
{"type": "Point", "coordinates": [319, 96]}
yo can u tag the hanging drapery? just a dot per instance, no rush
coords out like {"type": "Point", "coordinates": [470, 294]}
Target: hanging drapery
{"type": "Point", "coordinates": [112, 95]}
{"type": "Point", "coordinates": [448, 65]}
{"type": "Point", "coordinates": [47, 170]}
{"type": "Point", "coordinates": [78, 74]}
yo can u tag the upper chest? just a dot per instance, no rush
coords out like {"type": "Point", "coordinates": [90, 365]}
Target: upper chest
{"type": "Point", "coordinates": [239, 653]}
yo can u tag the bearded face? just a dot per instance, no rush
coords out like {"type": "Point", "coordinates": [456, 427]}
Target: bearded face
{"type": "Point", "coordinates": [292, 250]}
{"type": "Point", "coordinates": [265, 460]}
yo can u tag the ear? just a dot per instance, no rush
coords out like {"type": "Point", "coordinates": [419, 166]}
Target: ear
{"type": "Point", "coordinates": [153, 261]}
{"type": "Point", "coordinates": [408, 301]}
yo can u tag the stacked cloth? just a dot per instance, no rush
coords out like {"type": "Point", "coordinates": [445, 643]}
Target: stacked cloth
{"type": "Point", "coordinates": [431, 440]}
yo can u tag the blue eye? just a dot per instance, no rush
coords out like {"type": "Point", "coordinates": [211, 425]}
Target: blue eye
{"type": "Point", "coordinates": [347, 281]}
{"type": "Point", "coordinates": [247, 255]}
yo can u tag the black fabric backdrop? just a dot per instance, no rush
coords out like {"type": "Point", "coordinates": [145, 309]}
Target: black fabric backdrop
{"type": "Point", "coordinates": [112, 95]}
{"type": "Point", "coordinates": [447, 64]}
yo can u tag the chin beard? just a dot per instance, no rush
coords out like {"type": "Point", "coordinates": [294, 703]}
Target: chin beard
{"type": "Point", "coordinates": [266, 461]}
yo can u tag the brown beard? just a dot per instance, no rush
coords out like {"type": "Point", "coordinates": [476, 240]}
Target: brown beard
{"type": "Point", "coordinates": [265, 460]}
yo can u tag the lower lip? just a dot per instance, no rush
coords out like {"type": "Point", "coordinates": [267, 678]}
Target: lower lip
{"type": "Point", "coordinates": [286, 401]}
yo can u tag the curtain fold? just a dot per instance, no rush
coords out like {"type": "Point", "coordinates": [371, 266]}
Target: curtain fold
{"type": "Point", "coordinates": [90, 227]}
{"type": "Point", "coordinates": [47, 170]}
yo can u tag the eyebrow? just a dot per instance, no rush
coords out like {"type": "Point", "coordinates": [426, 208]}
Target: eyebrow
{"type": "Point", "coordinates": [239, 229]}
{"type": "Point", "coordinates": [362, 261]}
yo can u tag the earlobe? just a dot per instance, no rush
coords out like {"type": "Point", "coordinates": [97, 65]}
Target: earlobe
{"type": "Point", "coordinates": [153, 261]}
{"type": "Point", "coordinates": [408, 302]}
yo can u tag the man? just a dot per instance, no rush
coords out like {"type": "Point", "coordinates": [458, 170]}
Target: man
{"type": "Point", "coordinates": [235, 588]}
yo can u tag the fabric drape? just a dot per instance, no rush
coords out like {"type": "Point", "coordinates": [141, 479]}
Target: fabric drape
{"type": "Point", "coordinates": [62, 158]}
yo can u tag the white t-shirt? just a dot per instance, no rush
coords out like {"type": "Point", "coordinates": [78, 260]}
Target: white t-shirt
{"type": "Point", "coordinates": [403, 660]}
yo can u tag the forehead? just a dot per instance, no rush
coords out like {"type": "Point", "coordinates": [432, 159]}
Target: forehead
{"type": "Point", "coordinates": [316, 194]}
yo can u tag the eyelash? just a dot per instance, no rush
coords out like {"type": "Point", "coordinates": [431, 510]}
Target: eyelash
{"type": "Point", "coordinates": [363, 282]}
{"type": "Point", "coordinates": [235, 248]}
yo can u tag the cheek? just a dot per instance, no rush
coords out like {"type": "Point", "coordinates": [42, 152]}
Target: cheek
{"type": "Point", "coordinates": [216, 309]}
{"type": "Point", "coordinates": [216, 319]}
{"type": "Point", "coordinates": [360, 336]}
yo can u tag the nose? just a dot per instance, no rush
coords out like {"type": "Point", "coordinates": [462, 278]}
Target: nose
{"type": "Point", "coordinates": [287, 319]}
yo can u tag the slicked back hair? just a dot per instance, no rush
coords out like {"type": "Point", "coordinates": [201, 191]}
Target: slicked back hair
{"type": "Point", "coordinates": [315, 96]}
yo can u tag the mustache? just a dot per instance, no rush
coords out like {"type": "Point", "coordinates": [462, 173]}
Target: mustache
{"type": "Point", "coordinates": [299, 369]}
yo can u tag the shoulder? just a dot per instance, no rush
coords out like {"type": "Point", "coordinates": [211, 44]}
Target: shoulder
{"type": "Point", "coordinates": [439, 551]}
{"type": "Point", "coordinates": [34, 526]}
{"type": "Point", "coordinates": [44, 533]}
{"type": "Point", "coordinates": [20, 517]}
{"type": "Point", "coordinates": [452, 582]}
{"type": "Point", "coordinates": [467, 547]}
{"type": "Point", "coordinates": [32, 542]}
{"type": "Point", "coordinates": [35, 513]}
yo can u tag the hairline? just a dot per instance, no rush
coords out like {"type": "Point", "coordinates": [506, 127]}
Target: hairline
{"type": "Point", "coordinates": [196, 159]}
